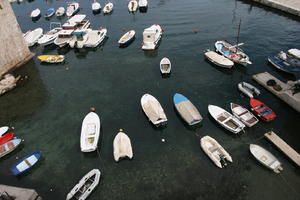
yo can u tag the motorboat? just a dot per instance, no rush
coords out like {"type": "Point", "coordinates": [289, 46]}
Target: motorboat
{"type": "Point", "coordinates": [60, 11]}
{"type": "Point", "coordinates": [96, 6]}
{"type": "Point", "coordinates": [285, 62]}
{"type": "Point", "coordinates": [151, 37]}
{"type": "Point", "coordinates": [132, 6]}
{"type": "Point", "coordinates": [72, 9]}
{"type": "Point", "coordinates": [79, 38]}
{"type": "Point", "coordinates": [76, 22]}
{"type": "Point", "coordinates": [218, 59]}
{"type": "Point", "coordinates": [50, 36]}
{"type": "Point", "coordinates": [243, 114]}
{"type": "Point", "coordinates": [90, 132]}
{"type": "Point", "coordinates": [262, 110]}
{"type": "Point", "coordinates": [95, 37]}
{"type": "Point", "coordinates": [63, 38]}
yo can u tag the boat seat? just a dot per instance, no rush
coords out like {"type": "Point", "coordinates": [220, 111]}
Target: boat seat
{"type": "Point", "coordinates": [27, 162]}
{"type": "Point", "coordinates": [213, 148]}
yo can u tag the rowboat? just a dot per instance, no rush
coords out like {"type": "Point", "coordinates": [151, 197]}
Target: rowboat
{"type": "Point", "coordinates": [49, 12]}
{"type": "Point", "coordinates": [7, 137]}
{"type": "Point", "coordinates": [72, 9]}
{"type": "Point", "coordinates": [186, 109]}
{"type": "Point", "coordinates": [31, 37]}
{"type": "Point", "coordinates": [132, 5]}
{"type": "Point", "coordinates": [26, 163]}
{"type": "Point", "coordinates": [122, 146]}
{"type": "Point", "coordinates": [153, 110]}
{"type": "Point", "coordinates": [165, 65]}
{"type": "Point", "coordinates": [108, 8]}
{"type": "Point", "coordinates": [35, 13]}
{"type": "Point", "coordinates": [151, 37]}
{"type": "Point", "coordinates": [218, 59]}
{"type": "Point", "coordinates": [9, 147]}
{"type": "Point", "coordinates": [90, 131]}
{"type": "Point", "coordinates": [50, 36]}
{"type": "Point", "coordinates": [215, 151]}
{"type": "Point", "coordinates": [51, 58]}
{"type": "Point", "coordinates": [285, 62]}
{"type": "Point", "coordinates": [85, 186]}
{"type": "Point", "coordinates": [248, 89]}
{"type": "Point", "coordinates": [60, 11]}
{"type": "Point", "coordinates": [95, 37]}
{"type": "Point", "coordinates": [243, 114]}
{"type": "Point", "coordinates": [127, 38]}
{"type": "Point", "coordinates": [265, 158]}
{"type": "Point", "coordinates": [262, 110]}
{"type": "Point", "coordinates": [96, 6]}
{"type": "Point", "coordinates": [3, 130]}
{"type": "Point", "coordinates": [226, 119]}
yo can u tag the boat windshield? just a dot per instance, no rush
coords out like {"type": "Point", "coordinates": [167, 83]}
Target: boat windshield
{"type": "Point", "coordinates": [258, 107]}
{"type": "Point", "coordinates": [266, 112]}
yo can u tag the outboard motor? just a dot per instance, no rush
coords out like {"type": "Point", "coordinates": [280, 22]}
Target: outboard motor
{"type": "Point", "coordinates": [223, 160]}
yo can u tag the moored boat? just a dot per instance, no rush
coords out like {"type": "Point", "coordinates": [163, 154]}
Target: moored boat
{"type": "Point", "coordinates": [262, 110]}
{"type": "Point", "coordinates": [63, 38]}
{"type": "Point", "coordinates": [49, 12]}
{"type": "Point", "coordinates": [151, 37]}
{"type": "Point", "coordinates": [122, 146]}
{"type": "Point", "coordinates": [51, 58]}
{"type": "Point", "coordinates": [79, 37]}
{"type": "Point", "coordinates": [31, 37]}
{"type": "Point", "coordinates": [127, 38]}
{"type": "Point", "coordinates": [9, 146]}
{"type": "Point", "coordinates": [3, 130]}
{"type": "Point", "coordinates": [72, 9]}
{"type": "Point", "coordinates": [143, 4]}
{"type": "Point", "coordinates": [96, 6]}
{"type": "Point", "coordinates": [50, 36]}
{"type": "Point", "coordinates": [95, 37]}
{"type": "Point", "coordinates": [285, 62]}
{"type": "Point", "coordinates": [218, 59]}
{"type": "Point", "coordinates": [60, 11]}
{"type": "Point", "coordinates": [243, 114]}
{"type": "Point", "coordinates": [295, 53]}
{"type": "Point", "coordinates": [36, 13]}
{"type": "Point", "coordinates": [108, 8]}
{"type": "Point", "coordinates": [165, 66]}
{"type": "Point", "coordinates": [248, 89]}
{"type": "Point", "coordinates": [6, 137]}
{"type": "Point", "coordinates": [26, 163]}
{"type": "Point", "coordinates": [90, 132]}
{"type": "Point", "coordinates": [132, 5]}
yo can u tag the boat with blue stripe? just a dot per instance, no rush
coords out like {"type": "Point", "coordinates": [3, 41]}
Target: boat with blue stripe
{"type": "Point", "coordinates": [49, 12]}
{"type": "Point", "coordinates": [26, 163]}
{"type": "Point", "coordinates": [285, 62]}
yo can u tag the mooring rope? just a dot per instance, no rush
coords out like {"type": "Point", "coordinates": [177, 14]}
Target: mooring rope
{"type": "Point", "coordinates": [101, 161]}
{"type": "Point", "coordinates": [289, 185]}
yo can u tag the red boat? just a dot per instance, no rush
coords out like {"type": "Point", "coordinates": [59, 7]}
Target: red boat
{"type": "Point", "coordinates": [261, 110]}
{"type": "Point", "coordinates": [7, 137]}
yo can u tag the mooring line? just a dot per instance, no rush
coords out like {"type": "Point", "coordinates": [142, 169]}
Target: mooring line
{"type": "Point", "coordinates": [289, 185]}
{"type": "Point", "coordinates": [101, 161]}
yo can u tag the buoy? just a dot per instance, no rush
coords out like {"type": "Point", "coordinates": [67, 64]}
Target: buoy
{"type": "Point", "coordinates": [121, 130]}
{"type": "Point", "coordinates": [163, 140]}
{"type": "Point", "coordinates": [195, 31]}
{"type": "Point", "coordinates": [92, 109]}
{"type": "Point", "coordinates": [50, 189]}
{"type": "Point", "coordinates": [17, 157]}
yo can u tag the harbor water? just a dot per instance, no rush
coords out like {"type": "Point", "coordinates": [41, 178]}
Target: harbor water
{"type": "Point", "coordinates": [47, 108]}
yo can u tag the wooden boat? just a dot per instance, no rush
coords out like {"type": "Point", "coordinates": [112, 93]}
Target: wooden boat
{"type": "Point", "coordinates": [90, 132]}
{"type": "Point", "coordinates": [285, 62]}
{"type": "Point", "coordinates": [262, 110]}
{"type": "Point", "coordinates": [295, 53]}
{"type": "Point", "coordinates": [218, 59]}
{"type": "Point", "coordinates": [186, 109]}
{"type": "Point", "coordinates": [266, 158]}
{"type": "Point", "coordinates": [35, 13]}
{"type": "Point", "coordinates": [85, 186]}
{"type": "Point", "coordinates": [153, 110]}
{"type": "Point", "coordinates": [226, 119]}
{"type": "Point", "coordinates": [127, 38]}
{"type": "Point", "coordinates": [96, 6]}
{"type": "Point", "coordinates": [49, 12]}
{"type": "Point", "coordinates": [122, 146]}
{"type": "Point", "coordinates": [215, 151]}
{"type": "Point", "coordinates": [248, 89]}
{"type": "Point", "coordinates": [165, 66]}
{"type": "Point", "coordinates": [72, 9]}
{"type": "Point", "coordinates": [9, 147]}
{"type": "Point", "coordinates": [151, 37]}
{"type": "Point", "coordinates": [95, 37]}
{"type": "Point", "coordinates": [243, 114]}
{"type": "Point", "coordinates": [31, 37]}
{"type": "Point", "coordinates": [60, 11]}
{"type": "Point", "coordinates": [49, 37]}
{"type": "Point", "coordinates": [7, 137]}
{"type": "Point", "coordinates": [51, 58]}
{"type": "Point", "coordinates": [26, 163]}
{"type": "Point", "coordinates": [132, 5]}
{"type": "Point", "coordinates": [108, 8]}
{"type": "Point", "coordinates": [3, 130]}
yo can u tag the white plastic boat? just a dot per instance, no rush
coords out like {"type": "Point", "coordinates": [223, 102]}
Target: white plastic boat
{"type": "Point", "coordinates": [122, 146]}
{"type": "Point", "coordinates": [72, 9]}
{"type": "Point", "coordinates": [108, 8]}
{"type": "Point", "coordinates": [35, 13]}
{"type": "Point", "coordinates": [3, 130]}
{"type": "Point", "coordinates": [60, 11]}
{"type": "Point", "coordinates": [95, 37]}
{"type": "Point", "coordinates": [90, 132]}
{"type": "Point", "coordinates": [63, 38]}
{"type": "Point", "coordinates": [96, 6]}
{"type": "Point", "coordinates": [151, 37]}
{"type": "Point", "coordinates": [243, 114]}
{"type": "Point", "coordinates": [132, 5]}
{"type": "Point", "coordinates": [127, 38]}
{"type": "Point", "coordinates": [295, 53]}
{"type": "Point", "coordinates": [215, 151]}
{"type": "Point", "coordinates": [9, 147]}
{"type": "Point", "coordinates": [218, 59]}
{"type": "Point", "coordinates": [85, 186]}
{"type": "Point", "coordinates": [143, 3]}
{"type": "Point", "coordinates": [248, 89]}
{"type": "Point", "coordinates": [31, 37]}
{"type": "Point", "coordinates": [50, 36]}
{"type": "Point", "coordinates": [165, 65]}
{"type": "Point", "coordinates": [79, 38]}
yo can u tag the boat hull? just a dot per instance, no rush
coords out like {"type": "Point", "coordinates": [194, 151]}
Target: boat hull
{"type": "Point", "coordinates": [26, 163]}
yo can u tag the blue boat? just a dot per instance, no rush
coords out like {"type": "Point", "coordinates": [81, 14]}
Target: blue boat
{"type": "Point", "coordinates": [49, 12]}
{"type": "Point", "coordinates": [26, 163]}
{"type": "Point", "coordinates": [285, 62]}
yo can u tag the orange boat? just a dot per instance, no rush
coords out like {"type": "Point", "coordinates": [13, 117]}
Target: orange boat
{"type": "Point", "coordinates": [261, 110]}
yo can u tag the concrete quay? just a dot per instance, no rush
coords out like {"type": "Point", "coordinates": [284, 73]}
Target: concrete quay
{"type": "Point", "coordinates": [16, 193]}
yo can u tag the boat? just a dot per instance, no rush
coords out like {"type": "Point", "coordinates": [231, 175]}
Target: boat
{"type": "Point", "coordinates": [232, 52]}
{"type": "Point", "coordinates": [79, 37]}
{"type": "Point", "coordinates": [49, 12]}
{"type": "Point", "coordinates": [122, 146]}
{"type": "Point", "coordinates": [285, 62]}
{"type": "Point", "coordinates": [51, 58]}
{"type": "Point", "coordinates": [6, 137]}
{"type": "Point", "coordinates": [143, 4]}
{"type": "Point", "coordinates": [76, 22]}
{"type": "Point", "coordinates": [96, 6]}
{"type": "Point", "coordinates": [60, 12]}
{"type": "Point", "coordinates": [9, 146]}
{"type": "Point", "coordinates": [243, 114]}
{"type": "Point", "coordinates": [26, 163]}
{"type": "Point", "coordinates": [218, 59]}
{"type": "Point", "coordinates": [265, 158]}
{"type": "Point", "coordinates": [248, 89]}
{"type": "Point", "coordinates": [63, 38]}
{"type": "Point", "coordinates": [49, 37]}
{"type": "Point", "coordinates": [85, 186]}
{"type": "Point", "coordinates": [151, 37]}
{"type": "Point", "coordinates": [127, 38]}
{"type": "Point", "coordinates": [226, 119]}
{"type": "Point", "coordinates": [35, 13]}
{"type": "Point", "coordinates": [90, 132]}
{"type": "Point", "coordinates": [3, 130]}
{"type": "Point", "coordinates": [31, 37]}
{"type": "Point", "coordinates": [165, 66]}
{"type": "Point", "coordinates": [132, 5]}
{"type": "Point", "coordinates": [95, 37]}
{"type": "Point", "coordinates": [186, 109]}
{"type": "Point", "coordinates": [72, 9]}
{"type": "Point", "coordinates": [153, 110]}
{"type": "Point", "coordinates": [215, 151]}
{"type": "Point", "coordinates": [262, 110]}
{"type": "Point", "coordinates": [108, 8]}
{"type": "Point", "coordinates": [295, 53]}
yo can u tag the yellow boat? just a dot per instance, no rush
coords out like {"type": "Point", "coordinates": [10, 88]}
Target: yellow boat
{"type": "Point", "coordinates": [51, 58]}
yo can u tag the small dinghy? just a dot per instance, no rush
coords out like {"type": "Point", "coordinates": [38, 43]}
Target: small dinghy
{"type": "Point", "coordinates": [153, 110]}
{"type": "Point", "coordinates": [186, 109]}
{"type": "Point", "coordinates": [26, 163]}
{"type": "Point", "coordinates": [6, 137]}
{"type": "Point", "coordinates": [285, 62]}
{"type": "Point", "coordinates": [122, 146]}
{"type": "Point", "coordinates": [51, 58]}
{"type": "Point", "coordinates": [96, 6]}
{"type": "Point", "coordinates": [265, 158]}
{"type": "Point", "coordinates": [143, 4]}
{"type": "Point", "coordinates": [165, 66]}
{"type": "Point", "coordinates": [262, 110]}
{"type": "Point", "coordinates": [31, 37]}
{"type": "Point", "coordinates": [295, 53]}
{"type": "Point", "coordinates": [35, 13]}
{"type": "Point", "coordinates": [218, 59]}
{"type": "Point", "coordinates": [60, 11]}
{"type": "Point", "coordinates": [95, 37]}
{"type": "Point", "coordinates": [127, 38]}
{"type": "Point", "coordinates": [151, 37]}
{"type": "Point", "coordinates": [49, 37]}
{"type": "Point", "coordinates": [243, 114]}
{"type": "Point", "coordinates": [132, 6]}
{"type": "Point", "coordinates": [9, 147]}
{"type": "Point", "coordinates": [90, 132]}
{"type": "Point", "coordinates": [248, 89]}
{"type": "Point", "coordinates": [108, 8]}
{"type": "Point", "coordinates": [226, 119]}
{"type": "Point", "coordinates": [215, 151]}
{"type": "Point", "coordinates": [85, 186]}
{"type": "Point", "coordinates": [72, 9]}
{"type": "Point", "coordinates": [3, 130]}
{"type": "Point", "coordinates": [49, 12]}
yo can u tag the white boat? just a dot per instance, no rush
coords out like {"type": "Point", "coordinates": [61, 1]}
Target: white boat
{"type": "Point", "coordinates": [266, 158]}
{"type": "Point", "coordinates": [76, 22]}
{"type": "Point", "coordinates": [95, 37]}
{"type": "Point", "coordinates": [31, 37]}
{"type": "Point", "coordinates": [63, 38]}
{"type": "Point", "coordinates": [153, 110]}
{"type": "Point", "coordinates": [50, 36]}
{"type": "Point", "coordinates": [35, 13]}
{"type": "Point", "coordinates": [9, 146]}
{"type": "Point", "coordinates": [226, 119]}
{"type": "Point", "coordinates": [248, 89]}
{"type": "Point", "coordinates": [132, 5]}
{"type": "Point", "coordinates": [122, 146]}
{"type": "Point", "coordinates": [72, 9]}
{"type": "Point", "coordinates": [127, 38]}
{"type": "Point", "coordinates": [295, 53]}
{"type": "Point", "coordinates": [60, 11]}
{"type": "Point", "coordinates": [90, 132]}
{"type": "Point", "coordinates": [215, 151]}
{"type": "Point", "coordinates": [218, 59]}
{"type": "Point", "coordinates": [79, 38]}
{"type": "Point", "coordinates": [85, 186]}
{"type": "Point", "coordinates": [151, 37]}
{"type": "Point", "coordinates": [165, 66]}
{"type": "Point", "coordinates": [143, 3]}
{"type": "Point", "coordinates": [3, 130]}
{"type": "Point", "coordinates": [243, 114]}
{"type": "Point", "coordinates": [108, 8]}
{"type": "Point", "coordinates": [96, 6]}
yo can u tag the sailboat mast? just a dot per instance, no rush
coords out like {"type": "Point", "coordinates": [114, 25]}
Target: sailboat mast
{"type": "Point", "coordinates": [238, 36]}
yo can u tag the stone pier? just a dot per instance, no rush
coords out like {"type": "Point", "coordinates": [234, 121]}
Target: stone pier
{"type": "Point", "coordinates": [16, 193]}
